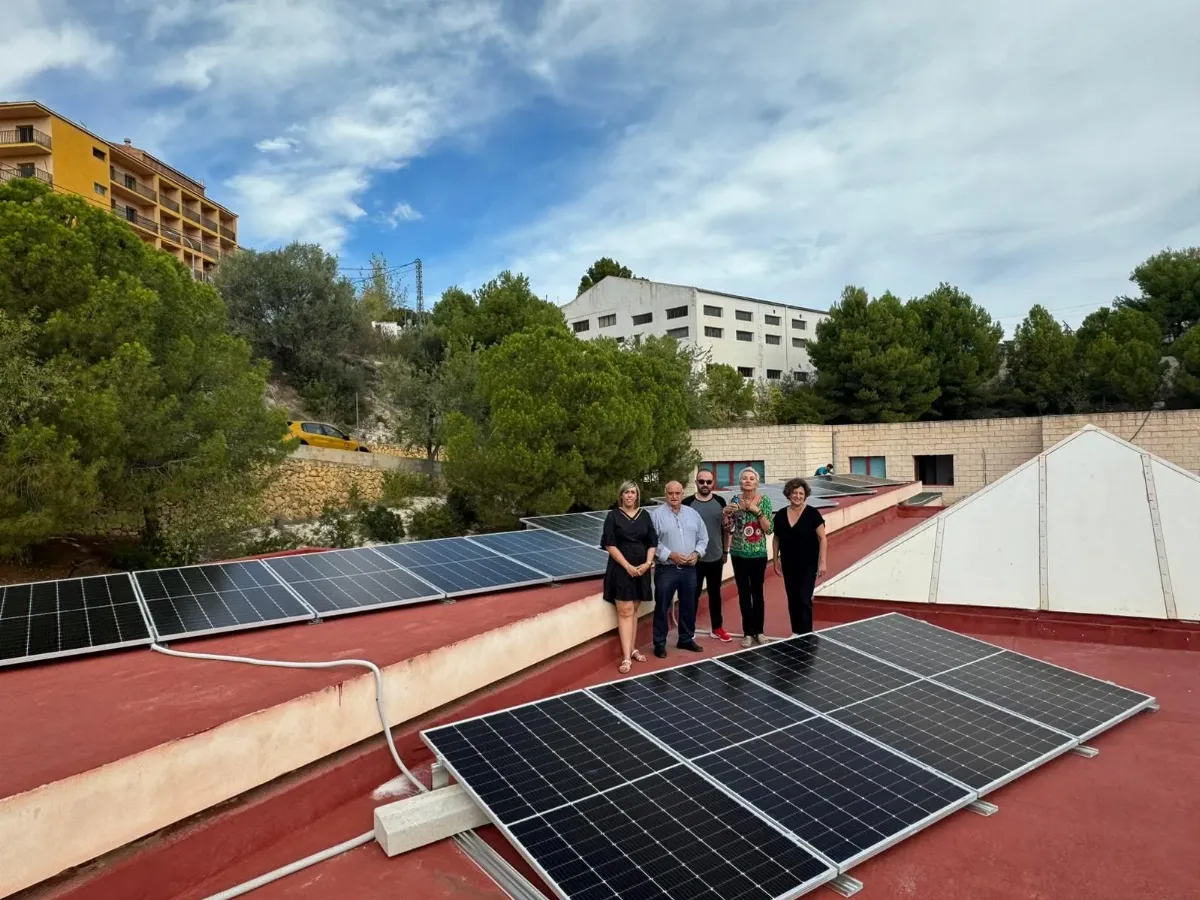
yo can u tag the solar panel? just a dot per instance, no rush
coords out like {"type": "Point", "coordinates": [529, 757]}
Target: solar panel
{"type": "Point", "coordinates": [1077, 704]}
{"type": "Point", "coordinates": [698, 708]}
{"type": "Point", "coordinates": [530, 759]}
{"type": "Point", "coordinates": [669, 836]}
{"type": "Point", "coordinates": [586, 528]}
{"type": "Point", "coordinates": [842, 794]}
{"type": "Point", "coordinates": [458, 567]}
{"type": "Point", "coordinates": [555, 555]}
{"type": "Point", "coordinates": [964, 738]}
{"type": "Point", "coordinates": [779, 501]}
{"type": "Point", "coordinates": [346, 581]}
{"type": "Point", "coordinates": [826, 487]}
{"type": "Point", "coordinates": [817, 672]}
{"type": "Point", "coordinates": [196, 600]}
{"type": "Point", "coordinates": [910, 643]}
{"type": "Point", "coordinates": [49, 619]}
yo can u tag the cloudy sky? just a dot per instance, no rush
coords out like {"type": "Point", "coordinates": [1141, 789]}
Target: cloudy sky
{"type": "Point", "coordinates": [1026, 151]}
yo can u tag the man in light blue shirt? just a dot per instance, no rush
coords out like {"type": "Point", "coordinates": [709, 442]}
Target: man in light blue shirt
{"type": "Point", "coordinates": [682, 540]}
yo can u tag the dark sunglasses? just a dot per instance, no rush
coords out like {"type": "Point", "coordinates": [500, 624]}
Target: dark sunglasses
{"type": "Point", "coordinates": [704, 481]}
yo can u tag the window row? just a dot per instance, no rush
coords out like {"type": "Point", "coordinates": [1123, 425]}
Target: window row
{"type": "Point", "coordinates": [717, 312]}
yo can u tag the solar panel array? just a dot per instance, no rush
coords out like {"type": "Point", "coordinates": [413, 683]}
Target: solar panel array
{"type": "Point", "coordinates": [54, 619]}
{"type": "Point", "coordinates": [826, 748]}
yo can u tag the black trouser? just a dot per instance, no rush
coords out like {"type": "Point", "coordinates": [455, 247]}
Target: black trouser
{"type": "Point", "coordinates": [749, 573]}
{"type": "Point", "coordinates": [710, 573]}
{"type": "Point", "coordinates": [669, 580]}
{"type": "Point", "coordinates": [799, 582]}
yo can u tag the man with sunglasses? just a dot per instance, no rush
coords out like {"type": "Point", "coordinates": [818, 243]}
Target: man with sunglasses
{"type": "Point", "coordinates": [711, 567]}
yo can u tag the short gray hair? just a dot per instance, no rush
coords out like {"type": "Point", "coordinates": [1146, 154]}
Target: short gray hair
{"type": "Point", "coordinates": [753, 471]}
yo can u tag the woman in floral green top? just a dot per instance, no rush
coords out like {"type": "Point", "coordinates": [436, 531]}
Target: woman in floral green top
{"type": "Point", "coordinates": [748, 518]}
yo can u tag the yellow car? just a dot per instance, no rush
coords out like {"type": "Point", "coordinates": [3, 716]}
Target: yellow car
{"type": "Point", "coordinates": [319, 434]}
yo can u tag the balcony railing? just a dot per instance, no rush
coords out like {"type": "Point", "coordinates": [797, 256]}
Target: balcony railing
{"type": "Point", "coordinates": [192, 243]}
{"type": "Point", "coordinates": [168, 203]}
{"type": "Point", "coordinates": [191, 215]}
{"type": "Point", "coordinates": [172, 235]}
{"type": "Point", "coordinates": [211, 249]}
{"type": "Point", "coordinates": [228, 233]}
{"type": "Point", "coordinates": [208, 223]}
{"type": "Point", "coordinates": [8, 173]}
{"type": "Point", "coordinates": [174, 174]}
{"type": "Point", "coordinates": [202, 276]}
{"type": "Point", "coordinates": [130, 183]}
{"type": "Point", "coordinates": [133, 217]}
{"type": "Point", "coordinates": [25, 135]}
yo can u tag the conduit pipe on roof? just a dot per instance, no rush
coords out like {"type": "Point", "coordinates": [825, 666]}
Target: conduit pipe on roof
{"type": "Point", "coordinates": [506, 877]}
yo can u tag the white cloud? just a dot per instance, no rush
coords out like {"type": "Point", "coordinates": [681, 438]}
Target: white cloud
{"type": "Point", "coordinates": [401, 212]}
{"type": "Point", "coordinates": [276, 145]}
{"type": "Point", "coordinates": [38, 39]}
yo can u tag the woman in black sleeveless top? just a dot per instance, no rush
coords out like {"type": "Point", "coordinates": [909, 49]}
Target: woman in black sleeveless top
{"type": "Point", "coordinates": [630, 539]}
{"type": "Point", "coordinates": [800, 549]}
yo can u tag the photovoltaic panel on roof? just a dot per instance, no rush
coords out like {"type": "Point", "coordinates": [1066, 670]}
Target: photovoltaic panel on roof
{"type": "Point", "coordinates": [534, 758]}
{"type": "Point", "coordinates": [458, 566]}
{"type": "Point", "coordinates": [586, 528]}
{"type": "Point", "coordinates": [346, 581]}
{"type": "Point", "coordinates": [198, 600]}
{"type": "Point", "coordinates": [51, 619]}
{"type": "Point", "coordinates": [961, 737]}
{"type": "Point", "coordinates": [817, 672]}
{"type": "Point", "coordinates": [910, 643]}
{"type": "Point", "coordinates": [554, 554]}
{"type": "Point", "coordinates": [1077, 704]}
{"type": "Point", "coordinates": [844, 795]}
{"type": "Point", "coordinates": [669, 836]}
{"type": "Point", "coordinates": [695, 709]}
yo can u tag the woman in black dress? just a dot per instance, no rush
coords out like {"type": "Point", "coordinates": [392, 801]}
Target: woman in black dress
{"type": "Point", "coordinates": [630, 539]}
{"type": "Point", "coordinates": [800, 549]}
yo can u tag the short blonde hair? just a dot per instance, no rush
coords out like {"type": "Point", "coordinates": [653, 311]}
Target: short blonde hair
{"type": "Point", "coordinates": [753, 471]}
{"type": "Point", "coordinates": [629, 486]}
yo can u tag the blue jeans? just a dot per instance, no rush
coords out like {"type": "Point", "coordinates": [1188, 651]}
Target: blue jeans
{"type": "Point", "coordinates": [668, 581]}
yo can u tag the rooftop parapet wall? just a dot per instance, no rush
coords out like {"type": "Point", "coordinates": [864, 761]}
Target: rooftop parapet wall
{"type": "Point", "coordinates": [983, 449]}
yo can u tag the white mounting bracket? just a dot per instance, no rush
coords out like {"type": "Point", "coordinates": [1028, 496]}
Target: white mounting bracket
{"type": "Point", "coordinates": [845, 885]}
{"type": "Point", "coordinates": [1153, 707]}
{"type": "Point", "coordinates": [438, 775]}
{"type": "Point", "coordinates": [1085, 751]}
{"type": "Point", "coordinates": [983, 808]}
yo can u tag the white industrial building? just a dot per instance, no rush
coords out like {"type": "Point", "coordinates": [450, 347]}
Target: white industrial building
{"type": "Point", "coordinates": [762, 340]}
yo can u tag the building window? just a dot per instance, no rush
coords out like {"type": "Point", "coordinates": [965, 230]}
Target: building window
{"type": "Point", "coordinates": [773, 339]}
{"type": "Point", "coordinates": [743, 316]}
{"type": "Point", "coordinates": [677, 333]}
{"type": "Point", "coordinates": [643, 319]}
{"type": "Point", "coordinates": [745, 371]}
{"type": "Point", "coordinates": [935, 470]}
{"type": "Point", "coordinates": [800, 342]}
{"type": "Point", "coordinates": [99, 154]}
{"type": "Point", "coordinates": [677, 312]}
{"type": "Point", "coordinates": [607, 321]}
{"type": "Point", "coordinates": [774, 374]}
{"type": "Point", "coordinates": [726, 473]}
{"type": "Point", "coordinates": [772, 320]}
{"type": "Point", "coordinates": [582, 326]}
{"type": "Point", "coordinates": [875, 466]}
{"type": "Point", "coordinates": [799, 324]}
{"type": "Point", "coordinates": [715, 311]}
{"type": "Point", "coordinates": [620, 340]}
{"type": "Point", "coordinates": [800, 377]}
{"type": "Point", "coordinates": [99, 188]}
{"type": "Point", "coordinates": [745, 335]}
{"type": "Point", "coordinates": [709, 331]}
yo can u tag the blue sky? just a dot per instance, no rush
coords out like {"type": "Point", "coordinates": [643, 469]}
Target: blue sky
{"type": "Point", "coordinates": [1029, 152]}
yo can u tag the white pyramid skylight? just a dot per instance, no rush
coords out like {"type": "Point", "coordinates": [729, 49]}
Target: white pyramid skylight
{"type": "Point", "coordinates": [1092, 525]}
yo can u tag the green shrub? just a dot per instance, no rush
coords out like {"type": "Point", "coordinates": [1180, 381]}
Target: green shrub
{"type": "Point", "coordinates": [378, 523]}
{"type": "Point", "coordinates": [402, 485]}
{"type": "Point", "coordinates": [337, 529]}
{"type": "Point", "coordinates": [433, 521]}
{"type": "Point", "coordinates": [271, 541]}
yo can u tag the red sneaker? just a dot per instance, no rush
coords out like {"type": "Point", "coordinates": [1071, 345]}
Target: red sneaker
{"type": "Point", "coordinates": [722, 635]}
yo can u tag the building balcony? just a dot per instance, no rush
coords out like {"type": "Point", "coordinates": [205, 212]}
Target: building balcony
{"type": "Point", "coordinates": [192, 244]}
{"type": "Point", "coordinates": [208, 223]}
{"type": "Point", "coordinates": [170, 204]}
{"type": "Point", "coordinates": [191, 215]}
{"type": "Point", "coordinates": [23, 140]}
{"type": "Point", "coordinates": [210, 249]}
{"type": "Point", "coordinates": [202, 276]}
{"type": "Point", "coordinates": [25, 170]}
{"type": "Point", "coordinates": [170, 234]}
{"type": "Point", "coordinates": [133, 217]}
{"type": "Point", "coordinates": [125, 183]}
{"type": "Point", "coordinates": [228, 233]}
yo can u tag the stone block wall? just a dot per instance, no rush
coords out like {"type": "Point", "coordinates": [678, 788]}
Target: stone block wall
{"type": "Point", "coordinates": [983, 449]}
{"type": "Point", "coordinates": [305, 486]}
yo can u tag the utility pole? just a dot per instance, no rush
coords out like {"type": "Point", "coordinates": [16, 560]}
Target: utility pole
{"type": "Point", "coordinates": [420, 290]}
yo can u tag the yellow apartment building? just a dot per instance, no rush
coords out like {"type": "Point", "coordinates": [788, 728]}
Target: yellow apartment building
{"type": "Point", "coordinates": [166, 208]}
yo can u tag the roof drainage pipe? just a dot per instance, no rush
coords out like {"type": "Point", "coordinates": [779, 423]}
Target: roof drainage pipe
{"type": "Point", "coordinates": [495, 866]}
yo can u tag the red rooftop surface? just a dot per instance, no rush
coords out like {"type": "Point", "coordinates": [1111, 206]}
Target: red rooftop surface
{"type": "Point", "coordinates": [1117, 826]}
